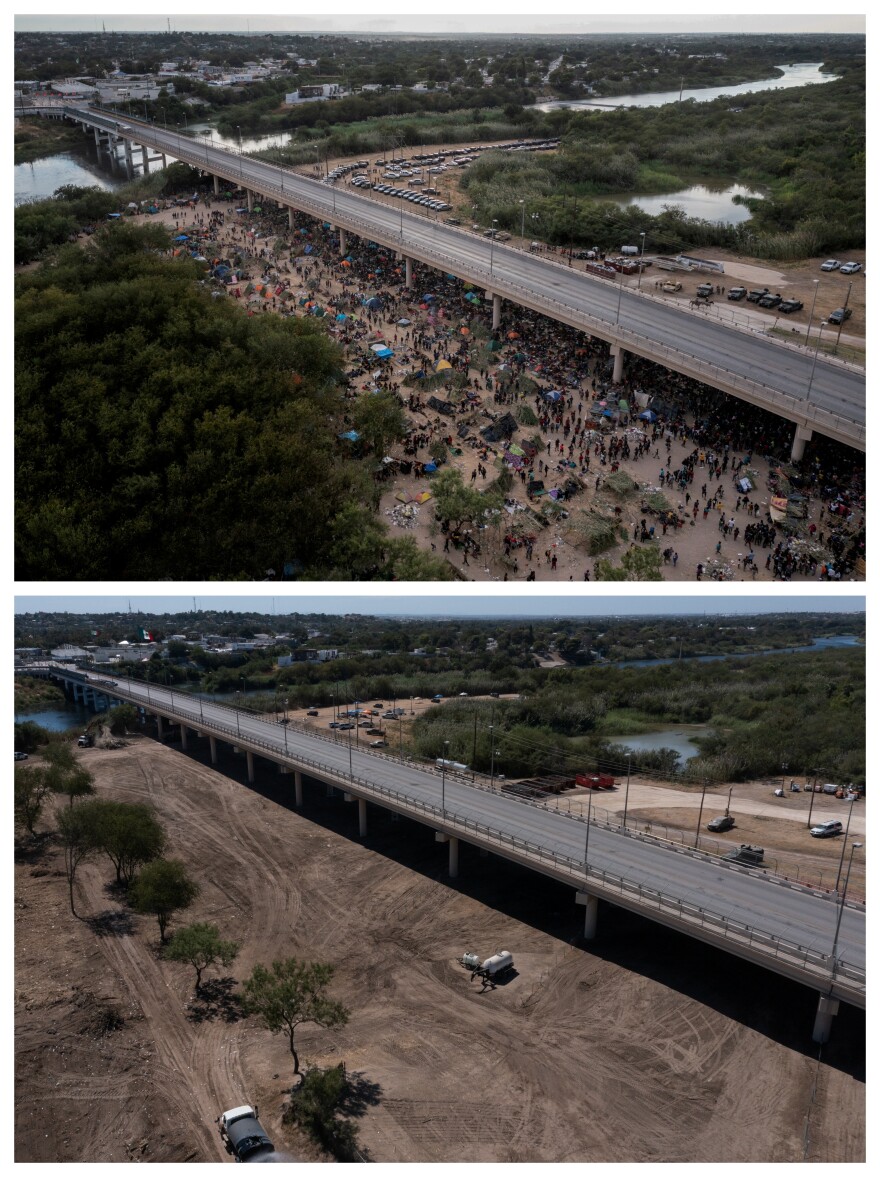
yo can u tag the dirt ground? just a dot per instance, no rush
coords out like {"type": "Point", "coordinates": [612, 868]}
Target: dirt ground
{"type": "Point", "coordinates": [641, 1046]}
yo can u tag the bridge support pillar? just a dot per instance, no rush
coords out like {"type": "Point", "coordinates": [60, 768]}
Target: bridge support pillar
{"type": "Point", "coordinates": [250, 767]}
{"type": "Point", "coordinates": [618, 353]}
{"type": "Point", "coordinates": [183, 734]}
{"type": "Point", "coordinates": [97, 137]}
{"type": "Point", "coordinates": [159, 726]}
{"type": "Point", "coordinates": [164, 160]}
{"type": "Point", "coordinates": [216, 185]}
{"type": "Point", "coordinates": [362, 818]}
{"type": "Point", "coordinates": [802, 435]}
{"type": "Point", "coordinates": [453, 858]}
{"type": "Point", "coordinates": [590, 905]}
{"type": "Point", "coordinates": [347, 797]}
{"type": "Point", "coordinates": [126, 144]}
{"type": "Point", "coordinates": [496, 311]}
{"type": "Point", "coordinates": [828, 1007]}
{"type": "Point", "coordinates": [212, 744]}
{"type": "Point", "coordinates": [343, 243]}
{"type": "Point", "coordinates": [250, 200]}
{"type": "Point", "coordinates": [145, 157]}
{"type": "Point", "coordinates": [408, 265]}
{"type": "Point", "coordinates": [290, 218]}
{"type": "Point", "coordinates": [298, 788]}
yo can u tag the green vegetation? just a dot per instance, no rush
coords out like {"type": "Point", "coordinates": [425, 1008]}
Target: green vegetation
{"type": "Point", "coordinates": [65, 774]}
{"type": "Point", "coordinates": [36, 694]}
{"type": "Point", "coordinates": [162, 888]}
{"type": "Point", "coordinates": [314, 1107]}
{"type": "Point", "coordinates": [290, 993]}
{"type": "Point", "coordinates": [36, 138]}
{"type": "Point", "coordinates": [129, 834]}
{"type": "Point", "coordinates": [804, 148]}
{"type": "Point", "coordinates": [163, 433]}
{"type": "Point", "coordinates": [805, 710]}
{"type": "Point", "coordinates": [30, 790]}
{"type": "Point", "coordinates": [200, 946]}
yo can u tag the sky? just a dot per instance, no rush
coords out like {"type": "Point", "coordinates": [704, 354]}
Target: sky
{"type": "Point", "coordinates": [409, 604]}
{"type": "Point", "coordinates": [455, 18]}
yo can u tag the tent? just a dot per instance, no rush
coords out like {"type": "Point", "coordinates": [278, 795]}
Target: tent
{"type": "Point", "coordinates": [443, 366]}
{"type": "Point", "coordinates": [374, 303]}
{"type": "Point", "coordinates": [495, 345]}
{"type": "Point", "coordinates": [383, 353]}
{"type": "Point", "coordinates": [744, 486]}
{"type": "Point", "coordinates": [430, 467]}
{"type": "Point", "coordinates": [352, 435]}
{"type": "Point", "coordinates": [552, 395]}
{"type": "Point", "coordinates": [648, 416]}
{"type": "Point", "coordinates": [341, 318]}
{"type": "Point", "coordinates": [403, 322]}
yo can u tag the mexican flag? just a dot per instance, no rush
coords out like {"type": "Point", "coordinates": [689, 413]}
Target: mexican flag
{"type": "Point", "coordinates": [146, 636]}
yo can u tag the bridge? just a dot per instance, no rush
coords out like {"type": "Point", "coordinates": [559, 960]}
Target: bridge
{"type": "Point", "coordinates": [816, 395]}
{"type": "Point", "coordinates": [805, 935]}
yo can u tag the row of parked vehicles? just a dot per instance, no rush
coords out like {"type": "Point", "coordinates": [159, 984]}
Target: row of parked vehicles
{"type": "Point", "coordinates": [423, 198]}
{"type": "Point", "coordinates": [844, 267]}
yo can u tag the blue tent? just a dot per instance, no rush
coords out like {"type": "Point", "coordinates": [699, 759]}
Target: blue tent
{"type": "Point", "coordinates": [552, 396]}
{"type": "Point", "coordinates": [341, 318]}
{"type": "Point", "coordinates": [181, 237]}
{"type": "Point", "coordinates": [350, 436]}
{"type": "Point", "coordinates": [648, 416]}
{"type": "Point", "coordinates": [374, 303]}
{"type": "Point", "coordinates": [385, 354]}
{"type": "Point", "coordinates": [430, 467]}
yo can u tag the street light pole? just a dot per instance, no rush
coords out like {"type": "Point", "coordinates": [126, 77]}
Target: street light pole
{"type": "Point", "coordinates": [492, 245]}
{"type": "Point", "coordinates": [641, 260]}
{"type": "Point", "coordinates": [812, 308]}
{"type": "Point", "coordinates": [522, 230]}
{"type": "Point", "coordinates": [855, 846]}
{"type": "Point", "coordinates": [843, 847]}
{"type": "Point", "coordinates": [619, 294]}
{"type": "Point", "coordinates": [626, 794]}
{"type": "Point", "coordinates": [492, 765]}
{"type": "Point", "coordinates": [815, 357]}
{"type": "Point", "coordinates": [443, 778]}
{"type": "Point", "coordinates": [587, 839]}
{"type": "Point", "coordinates": [700, 815]}
{"type": "Point", "coordinates": [350, 769]}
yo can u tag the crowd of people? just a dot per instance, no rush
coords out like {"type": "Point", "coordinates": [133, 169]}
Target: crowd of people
{"type": "Point", "coordinates": [701, 451]}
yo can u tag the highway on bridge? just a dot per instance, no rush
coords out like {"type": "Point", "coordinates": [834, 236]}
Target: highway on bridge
{"type": "Point", "coordinates": [815, 393]}
{"type": "Point", "coordinates": [795, 915]}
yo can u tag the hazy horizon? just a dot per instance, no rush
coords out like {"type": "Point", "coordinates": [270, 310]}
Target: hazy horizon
{"type": "Point", "coordinates": [478, 607]}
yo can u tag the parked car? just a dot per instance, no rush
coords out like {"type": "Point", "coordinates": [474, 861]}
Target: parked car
{"type": "Point", "coordinates": [670, 287]}
{"type": "Point", "coordinates": [789, 305]}
{"type": "Point", "coordinates": [840, 315]}
{"type": "Point", "coordinates": [21, 755]}
{"type": "Point", "coordinates": [345, 727]}
{"type": "Point", "coordinates": [827, 829]}
{"type": "Point", "coordinates": [705, 290]}
{"type": "Point", "coordinates": [333, 723]}
{"type": "Point", "coordinates": [437, 699]}
{"type": "Point", "coordinates": [736, 293]}
{"type": "Point", "coordinates": [719, 824]}
{"type": "Point", "coordinates": [378, 743]}
{"type": "Point", "coordinates": [494, 695]}
{"type": "Point", "coordinates": [312, 711]}
{"type": "Point", "coordinates": [851, 268]}
{"type": "Point", "coordinates": [831, 264]}
{"type": "Point", "coordinates": [756, 295]}
{"type": "Point", "coordinates": [770, 300]}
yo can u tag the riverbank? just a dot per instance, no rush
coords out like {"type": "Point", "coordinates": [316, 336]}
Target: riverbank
{"type": "Point", "coordinates": [36, 694]}
{"type": "Point", "coordinates": [38, 138]}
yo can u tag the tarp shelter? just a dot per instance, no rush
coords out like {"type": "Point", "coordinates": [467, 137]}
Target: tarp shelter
{"type": "Point", "coordinates": [495, 345]}
{"type": "Point", "coordinates": [501, 429]}
{"type": "Point", "coordinates": [374, 303]}
{"type": "Point", "coordinates": [552, 395]}
{"type": "Point", "coordinates": [351, 435]}
{"type": "Point", "coordinates": [430, 467]}
{"type": "Point", "coordinates": [648, 416]}
{"type": "Point", "coordinates": [744, 486]}
{"type": "Point", "coordinates": [442, 366]}
{"type": "Point", "coordinates": [440, 406]}
{"type": "Point", "coordinates": [384, 353]}
{"type": "Point", "coordinates": [340, 318]}
{"type": "Point", "coordinates": [623, 405]}
{"type": "Point", "coordinates": [424, 496]}
{"type": "Point", "coordinates": [113, 216]}
{"type": "Point", "coordinates": [403, 322]}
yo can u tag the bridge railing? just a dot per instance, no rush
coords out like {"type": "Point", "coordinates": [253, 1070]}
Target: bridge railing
{"type": "Point", "coordinates": [578, 870]}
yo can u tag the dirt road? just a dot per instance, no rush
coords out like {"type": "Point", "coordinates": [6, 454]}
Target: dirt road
{"type": "Point", "coordinates": [640, 1047]}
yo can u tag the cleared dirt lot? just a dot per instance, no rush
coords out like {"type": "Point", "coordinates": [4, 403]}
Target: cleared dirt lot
{"type": "Point", "coordinates": [640, 1047]}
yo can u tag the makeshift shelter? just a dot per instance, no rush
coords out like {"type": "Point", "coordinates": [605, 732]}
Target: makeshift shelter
{"type": "Point", "coordinates": [442, 366]}
{"type": "Point", "coordinates": [648, 416]}
{"type": "Point", "coordinates": [501, 429]}
{"type": "Point", "coordinates": [351, 435]}
{"type": "Point", "coordinates": [440, 406]}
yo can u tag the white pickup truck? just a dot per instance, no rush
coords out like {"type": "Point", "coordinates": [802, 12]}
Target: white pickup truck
{"type": "Point", "coordinates": [244, 1135]}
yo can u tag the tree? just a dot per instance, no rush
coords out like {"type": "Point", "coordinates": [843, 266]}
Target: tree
{"type": "Point", "coordinates": [291, 993]}
{"type": "Point", "coordinates": [30, 790]}
{"type": "Point", "coordinates": [77, 828]}
{"type": "Point", "coordinates": [29, 736]}
{"type": "Point", "coordinates": [121, 718]}
{"type": "Point", "coordinates": [65, 773]}
{"type": "Point", "coordinates": [455, 502]}
{"type": "Point", "coordinates": [129, 834]}
{"type": "Point", "coordinates": [314, 1107]}
{"type": "Point", "coordinates": [380, 420]}
{"type": "Point", "coordinates": [636, 564]}
{"type": "Point", "coordinates": [200, 945]}
{"type": "Point", "coordinates": [162, 887]}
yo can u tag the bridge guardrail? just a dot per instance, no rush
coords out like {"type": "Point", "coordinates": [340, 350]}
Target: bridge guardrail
{"type": "Point", "coordinates": [580, 873]}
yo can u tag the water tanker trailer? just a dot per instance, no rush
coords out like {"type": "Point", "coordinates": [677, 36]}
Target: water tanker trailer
{"type": "Point", "coordinates": [494, 967]}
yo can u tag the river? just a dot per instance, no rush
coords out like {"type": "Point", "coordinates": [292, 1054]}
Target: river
{"type": "Point", "coordinates": [803, 73]}
{"type": "Point", "coordinates": [836, 641]}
